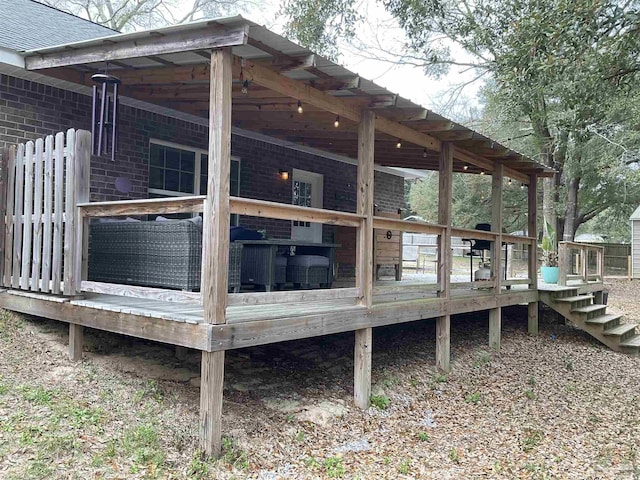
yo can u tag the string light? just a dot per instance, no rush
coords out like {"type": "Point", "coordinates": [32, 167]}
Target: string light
{"type": "Point", "coordinates": [482, 172]}
{"type": "Point", "coordinates": [522, 186]}
{"type": "Point", "coordinates": [399, 144]}
{"type": "Point", "coordinates": [337, 122]}
{"type": "Point", "coordinates": [509, 182]}
{"type": "Point", "coordinates": [299, 106]}
{"type": "Point", "coordinates": [466, 167]}
{"type": "Point", "coordinates": [424, 153]}
{"type": "Point", "coordinates": [245, 87]}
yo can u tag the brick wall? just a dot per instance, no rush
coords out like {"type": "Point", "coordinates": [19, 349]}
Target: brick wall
{"type": "Point", "coordinates": [30, 110]}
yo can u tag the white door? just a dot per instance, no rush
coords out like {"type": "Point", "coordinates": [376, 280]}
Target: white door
{"type": "Point", "coordinates": [307, 192]}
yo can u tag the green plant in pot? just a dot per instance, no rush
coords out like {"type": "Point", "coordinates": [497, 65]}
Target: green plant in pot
{"type": "Point", "coordinates": [549, 268]}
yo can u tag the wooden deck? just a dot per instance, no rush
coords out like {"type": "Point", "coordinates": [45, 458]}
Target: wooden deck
{"type": "Point", "coordinates": [182, 323]}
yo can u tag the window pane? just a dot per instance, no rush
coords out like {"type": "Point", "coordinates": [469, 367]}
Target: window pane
{"type": "Point", "coordinates": [156, 155]}
{"type": "Point", "coordinates": [203, 184]}
{"type": "Point", "coordinates": [187, 161]}
{"type": "Point", "coordinates": [172, 158]}
{"type": "Point", "coordinates": [204, 163]}
{"type": "Point", "coordinates": [186, 182]}
{"type": "Point", "coordinates": [172, 180]}
{"type": "Point", "coordinates": [235, 178]}
{"type": "Point", "coordinates": [156, 177]}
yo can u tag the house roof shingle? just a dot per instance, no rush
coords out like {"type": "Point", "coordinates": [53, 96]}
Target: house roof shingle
{"type": "Point", "coordinates": [27, 24]}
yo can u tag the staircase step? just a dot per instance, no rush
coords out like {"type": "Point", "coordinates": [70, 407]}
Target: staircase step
{"type": "Point", "coordinates": [574, 299]}
{"type": "Point", "coordinates": [604, 319]}
{"type": "Point", "coordinates": [631, 342]}
{"type": "Point", "coordinates": [620, 329]}
{"type": "Point", "coordinates": [589, 308]}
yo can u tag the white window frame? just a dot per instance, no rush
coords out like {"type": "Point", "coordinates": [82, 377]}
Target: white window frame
{"type": "Point", "coordinates": [196, 174]}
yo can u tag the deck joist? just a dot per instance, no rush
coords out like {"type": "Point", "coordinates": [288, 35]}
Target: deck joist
{"type": "Point", "coordinates": [182, 324]}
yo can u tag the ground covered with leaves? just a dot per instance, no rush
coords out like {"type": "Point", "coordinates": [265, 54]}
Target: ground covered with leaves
{"type": "Point", "coordinates": [558, 405]}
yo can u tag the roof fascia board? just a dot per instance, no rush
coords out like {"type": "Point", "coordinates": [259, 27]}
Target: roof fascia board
{"type": "Point", "coordinates": [10, 57]}
{"type": "Point", "coordinates": [119, 47]}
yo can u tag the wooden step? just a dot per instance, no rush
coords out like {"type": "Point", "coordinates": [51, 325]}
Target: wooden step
{"type": "Point", "coordinates": [620, 329]}
{"type": "Point", "coordinates": [578, 298]}
{"type": "Point", "coordinates": [631, 342]}
{"type": "Point", "coordinates": [589, 308]}
{"type": "Point", "coordinates": [603, 319]}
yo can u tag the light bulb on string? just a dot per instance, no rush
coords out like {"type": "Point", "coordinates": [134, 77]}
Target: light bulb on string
{"type": "Point", "coordinates": [300, 107]}
{"type": "Point", "coordinates": [337, 122]}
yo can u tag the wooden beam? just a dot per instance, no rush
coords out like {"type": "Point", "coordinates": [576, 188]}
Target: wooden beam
{"type": "Point", "coordinates": [4, 178]}
{"type": "Point", "coordinates": [365, 187]}
{"type": "Point", "coordinates": [211, 387]}
{"type": "Point", "coordinates": [215, 238]}
{"type": "Point", "coordinates": [443, 343]}
{"type": "Point", "coordinates": [532, 318]}
{"type": "Point", "coordinates": [445, 209]}
{"type": "Point", "coordinates": [153, 45]}
{"type": "Point", "coordinates": [532, 225]}
{"type": "Point", "coordinates": [496, 223]}
{"type": "Point", "coordinates": [143, 206]}
{"type": "Point", "coordinates": [495, 326]}
{"type": "Point", "coordinates": [76, 341]}
{"type": "Point", "coordinates": [445, 254]}
{"type": "Point", "coordinates": [362, 367]}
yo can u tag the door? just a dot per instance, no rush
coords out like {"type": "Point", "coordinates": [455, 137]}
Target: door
{"type": "Point", "coordinates": [307, 192]}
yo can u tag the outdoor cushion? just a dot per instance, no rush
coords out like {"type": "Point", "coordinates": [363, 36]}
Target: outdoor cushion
{"type": "Point", "coordinates": [243, 233]}
{"type": "Point", "coordinates": [309, 261]}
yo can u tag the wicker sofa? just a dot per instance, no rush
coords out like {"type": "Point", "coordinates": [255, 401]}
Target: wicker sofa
{"type": "Point", "coordinates": [163, 254]}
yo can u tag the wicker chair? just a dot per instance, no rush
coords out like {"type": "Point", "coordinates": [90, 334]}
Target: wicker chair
{"type": "Point", "coordinates": [155, 254]}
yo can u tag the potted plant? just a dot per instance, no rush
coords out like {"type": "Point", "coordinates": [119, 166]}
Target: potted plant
{"type": "Point", "coordinates": [549, 268]}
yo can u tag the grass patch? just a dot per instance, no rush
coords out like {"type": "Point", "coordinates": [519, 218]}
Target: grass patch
{"type": "Point", "coordinates": [404, 467]}
{"type": "Point", "coordinates": [473, 398]}
{"type": "Point", "coordinates": [141, 444]}
{"type": "Point", "coordinates": [333, 467]}
{"type": "Point", "coordinates": [381, 402]}
{"type": "Point", "coordinates": [529, 394]}
{"type": "Point", "coordinates": [423, 436]}
{"type": "Point", "coordinates": [234, 455]}
{"type": "Point", "coordinates": [454, 456]}
{"type": "Point", "coordinates": [531, 439]}
{"type": "Point", "coordinates": [37, 395]}
{"type": "Point", "coordinates": [482, 358]}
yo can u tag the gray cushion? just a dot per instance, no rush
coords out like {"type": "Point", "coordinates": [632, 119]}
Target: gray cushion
{"type": "Point", "coordinates": [309, 261]}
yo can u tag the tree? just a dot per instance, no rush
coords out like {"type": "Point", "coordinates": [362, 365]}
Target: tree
{"type": "Point", "coordinates": [129, 15]}
{"type": "Point", "coordinates": [554, 66]}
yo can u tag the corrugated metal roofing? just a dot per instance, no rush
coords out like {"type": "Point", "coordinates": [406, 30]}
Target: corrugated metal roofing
{"type": "Point", "coordinates": [26, 24]}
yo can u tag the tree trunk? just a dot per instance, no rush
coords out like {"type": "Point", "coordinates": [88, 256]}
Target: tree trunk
{"type": "Point", "coordinates": [571, 210]}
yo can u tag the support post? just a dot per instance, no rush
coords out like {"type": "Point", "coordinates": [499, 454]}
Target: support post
{"type": "Point", "coordinates": [82, 159]}
{"type": "Point", "coordinates": [181, 352]}
{"type": "Point", "coordinates": [215, 238]}
{"type": "Point", "coordinates": [495, 327]}
{"type": "Point", "coordinates": [496, 225]}
{"type": "Point", "coordinates": [532, 318]}
{"type": "Point", "coordinates": [4, 176]}
{"type": "Point", "coordinates": [211, 385]}
{"type": "Point", "coordinates": [215, 246]}
{"type": "Point", "coordinates": [76, 340]}
{"type": "Point", "coordinates": [443, 343]}
{"type": "Point", "coordinates": [364, 256]}
{"type": "Point", "coordinates": [362, 367]}
{"type": "Point", "coordinates": [445, 258]}
{"type": "Point", "coordinates": [532, 217]}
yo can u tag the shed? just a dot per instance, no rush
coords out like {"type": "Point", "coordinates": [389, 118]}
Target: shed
{"type": "Point", "coordinates": [635, 243]}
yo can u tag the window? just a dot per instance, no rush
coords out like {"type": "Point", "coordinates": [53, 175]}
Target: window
{"type": "Point", "coordinates": [178, 170]}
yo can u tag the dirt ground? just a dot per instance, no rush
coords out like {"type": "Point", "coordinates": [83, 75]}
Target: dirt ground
{"type": "Point", "coordinates": [558, 405]}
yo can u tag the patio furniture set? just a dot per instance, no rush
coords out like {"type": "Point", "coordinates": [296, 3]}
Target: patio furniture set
{"type": "Point", "coordinates": [167, 254]}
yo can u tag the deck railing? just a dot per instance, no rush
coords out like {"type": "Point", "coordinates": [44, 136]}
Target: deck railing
{"type": "Point", "coordinates": [582, 252]}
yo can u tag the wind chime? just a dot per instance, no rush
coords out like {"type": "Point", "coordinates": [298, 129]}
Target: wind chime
{"type": "Point", "coordinates": [105, 114]}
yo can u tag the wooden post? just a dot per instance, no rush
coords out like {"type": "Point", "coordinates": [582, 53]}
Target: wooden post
{"type": "Point", "coordinates": [211, 385]}
{"type": "Point", "coordinates": [495, 314]}
{"type": "Point", "coordinates": [496, 224]}
{"type": "Point", "coordinates": [362, 367]}
{"type": "Point", "coordinates": [495, 326]}
{"type": "Point", "coordinates": [215, 238]}
{"type": "Point", "coordinates": [532, 202]}
{"type": "Point", "coordinates": [76, 340]}
{"type": "Point", "coordinates": [445, 258]}
{"type": "Point", "coordinates": [364, 256]}
{"type": "Point", "coordinates": [443, 343]}
{"type": "Point", "coordinates": [215, 246]}
{"type": "Point", "coordinates": [532, 318]}
{"type": "Point", "coordinates": [7, 231]}
{"type": "Point", "coordinates": [4, 177]}
{"type": "Point", "coordinates": [563, 259]}
{"type": "Point", "coordinates": [82, 160]}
